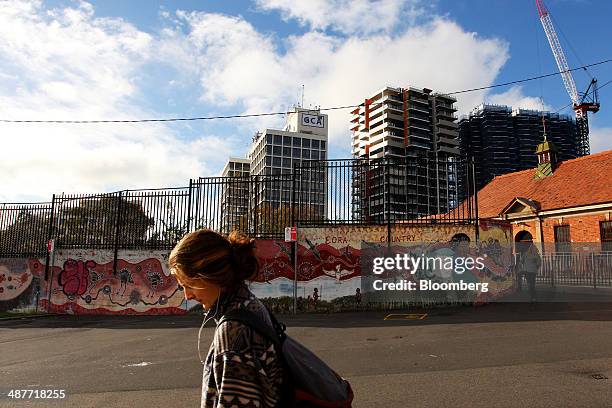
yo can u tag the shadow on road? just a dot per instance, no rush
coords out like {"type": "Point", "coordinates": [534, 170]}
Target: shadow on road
{"type": "Point", "coordinates": [489, 313]}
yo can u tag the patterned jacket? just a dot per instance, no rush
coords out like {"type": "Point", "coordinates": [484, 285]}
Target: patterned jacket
{"type": "Point", "coordinates": [242, 368]}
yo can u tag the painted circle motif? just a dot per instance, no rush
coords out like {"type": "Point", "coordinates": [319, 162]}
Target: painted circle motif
{"type": "Point", "coordinates": [106, 290]}
{"type": "Point", "coordinates": [88, 299]}
{"type": "Point", "coordinates": [163, 299]}
{"type": "Point", "coordinates": [135, 297]}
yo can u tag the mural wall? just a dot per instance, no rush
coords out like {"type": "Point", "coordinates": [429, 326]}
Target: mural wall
{"type": "Point", "coordinates": [328, 268]}
{"type": "Point", "coordinates": [20, 284]}
{"type": "Point", "coordinates": [83, 282]}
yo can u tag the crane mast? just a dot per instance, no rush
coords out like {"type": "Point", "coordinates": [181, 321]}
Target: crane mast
{"type": "Point", "coordinates": [581, 104]}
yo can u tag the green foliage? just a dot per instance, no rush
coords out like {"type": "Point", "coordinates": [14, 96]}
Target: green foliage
{"type": "Point", "coordinates": [94, 222]}
{"type": "Point", "coordinates": [27, 234]}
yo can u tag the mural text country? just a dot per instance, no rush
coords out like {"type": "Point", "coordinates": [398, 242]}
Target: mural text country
{"type": "Point", "coordinates": [399, 238]}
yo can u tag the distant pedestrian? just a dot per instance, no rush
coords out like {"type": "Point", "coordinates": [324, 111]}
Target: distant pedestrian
{"type": "Point", "coordinates": [358, 296]}
{"type": "Point", "coordinates": [243, 367]}
{"type": "Point", "coordinates": [315, 298]}
{"type": "Point", "coordinates": [528, 265]}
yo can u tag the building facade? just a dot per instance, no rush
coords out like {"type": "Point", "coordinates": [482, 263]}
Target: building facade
{"type": "Point", "coordinates": [235, 194]}
{"type": "Point", "coordinates": [269, 170]}
{"type": "Point", "coordinates": [502, 140]}
{"type": "Point", "coordinates": [413, 134]}
{"type": "Point", "coordinates": [565, 205]}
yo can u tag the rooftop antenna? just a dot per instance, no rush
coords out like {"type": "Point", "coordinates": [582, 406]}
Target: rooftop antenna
{"type": "Point", "coordinates": [302, 96]}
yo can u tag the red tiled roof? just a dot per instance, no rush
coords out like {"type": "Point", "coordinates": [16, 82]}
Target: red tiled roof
{"type": "Point", "coordinates": [582, 181]}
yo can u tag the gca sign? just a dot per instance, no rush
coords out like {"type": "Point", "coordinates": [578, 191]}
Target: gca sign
{"type": "Point", "coordinates": [313, 120]}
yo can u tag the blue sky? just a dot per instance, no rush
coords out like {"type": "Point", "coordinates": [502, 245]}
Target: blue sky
{"type": "Point", "coordinates": [112, 59]}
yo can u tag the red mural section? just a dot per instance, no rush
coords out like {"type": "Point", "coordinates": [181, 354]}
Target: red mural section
{"type": "Point", "coordinates": [313, 261]}
{"type": "Point", "coordinates": [274, 260]}
{"type": "Point", "coordinates": [325, 260]}
{"type": "Point", "coordinates": [91, 286]}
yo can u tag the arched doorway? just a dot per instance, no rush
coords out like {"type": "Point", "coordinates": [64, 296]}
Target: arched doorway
{"type": "Point", "coordinates": [523, 236]}
{"type": "Point", "coordinates": [460, 238]}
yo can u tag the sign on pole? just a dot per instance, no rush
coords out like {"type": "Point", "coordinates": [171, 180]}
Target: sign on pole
{"type": "Point", "coordinates": [50, 245]}
{"type": "Point", "coordinates": [290, 234]}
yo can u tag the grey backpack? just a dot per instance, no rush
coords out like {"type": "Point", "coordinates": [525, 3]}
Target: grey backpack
{"type": "Point", "coordinates": [311, 382]}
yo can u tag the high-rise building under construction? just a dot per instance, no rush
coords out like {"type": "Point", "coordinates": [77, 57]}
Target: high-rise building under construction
{"type": "Point", "coordinates": [503, 140]}
{"type": "Point", "coordinates": [412, 133]}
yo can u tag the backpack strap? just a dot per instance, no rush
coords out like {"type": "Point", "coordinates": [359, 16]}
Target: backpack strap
{"type": "Point", "coordinates": [275, 333]}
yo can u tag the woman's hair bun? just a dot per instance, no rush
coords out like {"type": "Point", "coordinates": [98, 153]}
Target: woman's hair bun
{"type": "Point", "coordinates": [246, 265]}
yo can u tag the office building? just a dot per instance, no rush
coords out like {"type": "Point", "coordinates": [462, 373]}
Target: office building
{"type": "Point", "coordinates": [414, 131]}
{"type": "Point", "coordinates": [272, 161]}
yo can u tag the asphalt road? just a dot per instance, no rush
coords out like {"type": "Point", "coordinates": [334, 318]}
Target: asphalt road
{"type": "Point", "coordinates": [499, 355]}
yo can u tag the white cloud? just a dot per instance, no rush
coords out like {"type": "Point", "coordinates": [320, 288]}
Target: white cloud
{"type": "Point", "coordinates": [600, 139]}
{"type": "Point", "coordinates": [348, 16]}
{"type": "Point", "coordinates": [67, 64]}
{"type": "Point", "coordinates": [243, 67]}
{"type": "Point", "coordinates": [515, 98]}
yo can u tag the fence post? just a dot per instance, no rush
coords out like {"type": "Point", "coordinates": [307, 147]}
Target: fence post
{"type": "Point", "coordinates": [294, 244]}
{"type": "Point", "coordinates": [255, 221]}
{"type": "Point", "coordinates": [475, 197]}
{"type": "Point", "coordinates": [117, 230]}
{"type": "Point", "coordinates": [552, 269]}
{"type": "Point", "coordinates": [594, 270]}
{"type": "Point", "coordinates": [189, 206]}
{"type": "Point", "coordinates": [49, 237]}
{"type": "Point", "coordinates": [387, 173]}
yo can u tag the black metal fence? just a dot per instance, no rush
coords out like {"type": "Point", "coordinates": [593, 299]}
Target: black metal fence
{"type": "Point", "coordinates": [313, 193]}
{"type": "Point", "coordinates": [382, 191]}
{"type": "Point", "coordinates": [25, 228]}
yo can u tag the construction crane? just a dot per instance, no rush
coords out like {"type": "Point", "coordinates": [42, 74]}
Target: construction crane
{"type": "Point", "coordinates": [582, 103]}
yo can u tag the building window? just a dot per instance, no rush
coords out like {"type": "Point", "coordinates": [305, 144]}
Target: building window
{"type": "Point", "coordinates": [278, 140]}
{"type": "Point", "coordinates": [306, 143]}
{"type": "Point", "coordinates": [605, 230]}
{"type": "Point", "coordinates": [315, 144]}
{"type": "Point", "coordinates": [322, 144]}
{"type": "Point", "coordinates": [269, 138]}
{"type": "Point", "coordinates": [297, 141]}
{"type": "Point", "coordinates": [277, 150]}
{"type": "Point", "coordinates": [562, 238]}
{"type": "Point", "coordinates": [287, 140]}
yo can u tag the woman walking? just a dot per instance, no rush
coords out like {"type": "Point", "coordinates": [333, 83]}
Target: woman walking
{"type": "Point", "coordinates": [242, 367]}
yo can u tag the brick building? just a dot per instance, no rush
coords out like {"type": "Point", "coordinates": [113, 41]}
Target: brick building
{"type": "Point", "coordinates": [557, 203]}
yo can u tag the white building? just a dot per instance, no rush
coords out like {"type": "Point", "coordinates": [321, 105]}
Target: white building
{"type": "Point", "coordinates": [273, 157]}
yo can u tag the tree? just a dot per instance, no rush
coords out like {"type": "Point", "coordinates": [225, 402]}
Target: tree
{"type": "Point", "coordinates": [27, 234]}
{"type": "Point", "coordinates": [94, 223]}
{"type": "Point", "coordinates": [271, 219]}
